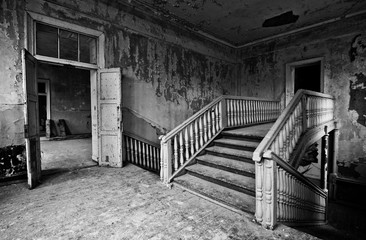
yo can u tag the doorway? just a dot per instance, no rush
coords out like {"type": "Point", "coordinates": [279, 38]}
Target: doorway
{"type": "Point", "coordinates": [64, 100]}
{"type": "Point", "coordinates": [306, 74]}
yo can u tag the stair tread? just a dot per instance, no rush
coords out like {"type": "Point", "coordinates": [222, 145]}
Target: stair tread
{"type": "Point", "coordinates": [224, 176]}
{"type": "Point", "coordinates": [236, 142]}
{"type": "Point", "coordinates": [230, 151]}
{"type": "Point", "coordinates": [234, 164]}
{"type": "Point", "coordinates": [219, 193]}
{"type": "Point", "coordinates": [259, 130]}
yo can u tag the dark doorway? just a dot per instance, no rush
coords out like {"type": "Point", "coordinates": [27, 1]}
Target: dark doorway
{"type": "Point", "coordinates": [308, 77]}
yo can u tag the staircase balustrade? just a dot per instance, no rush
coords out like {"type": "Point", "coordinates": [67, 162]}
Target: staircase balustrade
{"type": "Point", "coordinates": [282, 193]}
{"type": "Point", "coordinates": [184, 142]}
{"type": "Point", "coordinates": [142, 152]}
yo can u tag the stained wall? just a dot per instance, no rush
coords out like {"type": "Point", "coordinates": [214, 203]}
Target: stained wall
{"type": "Point", "coordinates": [168, 72]}
{"type": "Point", "coordinates": [343, 46]}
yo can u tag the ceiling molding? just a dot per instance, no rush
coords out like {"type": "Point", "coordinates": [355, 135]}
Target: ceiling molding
{"type": "Point", "coordinates": [211, 37]}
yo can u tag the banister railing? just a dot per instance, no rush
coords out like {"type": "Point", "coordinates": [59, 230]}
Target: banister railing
{"type": "Point", "coordinates": [184, 142]}
{"type": "Point", "coordinates": [283, 194]}
{"type": "Point", "coordinates": [142, 152]}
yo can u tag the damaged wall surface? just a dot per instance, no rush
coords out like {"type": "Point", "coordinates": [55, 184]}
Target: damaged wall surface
{"type": "Point", "coordinates": [343, 46]}
{"type": "Point", "coordinates": [168, 73]}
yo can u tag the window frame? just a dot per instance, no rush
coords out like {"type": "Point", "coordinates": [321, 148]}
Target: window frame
{"type": "Point", "coordinates": [30, 42]}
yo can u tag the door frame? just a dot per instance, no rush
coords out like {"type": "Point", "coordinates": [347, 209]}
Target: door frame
{"type": "Point", "coordinates": [47, 94]}
{"type": "Point", "coordinates": [29, 42]}
{"type": "Point", "coordinates": [290, 76]}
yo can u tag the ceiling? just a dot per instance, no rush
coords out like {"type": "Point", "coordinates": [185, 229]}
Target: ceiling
{"type": "Point", "coordinates": [238, 22]}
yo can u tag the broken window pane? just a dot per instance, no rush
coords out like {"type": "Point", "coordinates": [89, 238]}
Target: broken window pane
{"type": "Point", "coordinates": [46, 40]}
{"type": "Point", "coordinates": [68, 45]}
{"type": "Point", "coordinates": [88, 49]}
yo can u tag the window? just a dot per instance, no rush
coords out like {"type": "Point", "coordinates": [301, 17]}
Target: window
{"type": "Point", "coordinates": [65, 44]}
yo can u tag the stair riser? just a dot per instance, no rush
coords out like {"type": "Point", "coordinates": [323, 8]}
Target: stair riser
{"type": "Point", "coordinates": [233, 157]}
{"type": "Point", "coordinates": [228, 169]}
{"type": "Point", "coordinates": [222, 183]}
{"type": "Point", "coordinates": [246, 148]}
{"type": "Point", "coordinates": [216, 200]}
{"type": "Point", "coordinates": [240, 137]}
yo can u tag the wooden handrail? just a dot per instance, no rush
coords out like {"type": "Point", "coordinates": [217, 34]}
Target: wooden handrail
{"type": "Point", "coordinates": [204, 109]}
{"type": "Point", "coordinates": [183, 143]}
{"type": "Point", "coordinates": [190, 120]}
{"type": "Point", "coordinates": [141, 139]}
{"type": "Point", "coordinates": [291, 170]}
{"type": "Point", "coordinates": [280, 122]}
{"type": "Point", "coordinates": [282, 193]}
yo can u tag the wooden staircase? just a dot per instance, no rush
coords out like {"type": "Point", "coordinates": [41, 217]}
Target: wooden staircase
{"type": "Point", "coordinates": [224, 172]}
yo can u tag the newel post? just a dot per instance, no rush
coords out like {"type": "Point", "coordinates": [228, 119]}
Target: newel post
{"type": "Point", "coordinates": [334, 154]}
{"type": "Point", "coordinates": [266, 190]}
{"type": "Point", "coordinates": [223, 113]}
{"type": "Point", "coordinates": [166, 161]}
{"type": "Point", "coordinates": [305, 113]}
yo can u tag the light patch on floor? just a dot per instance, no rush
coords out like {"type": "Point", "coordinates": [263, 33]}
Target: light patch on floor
{"type": "Point", "coordinates": [66, 154]}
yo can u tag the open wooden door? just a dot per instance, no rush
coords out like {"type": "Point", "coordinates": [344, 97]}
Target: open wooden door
{"type": "Point", "coordinates": [110, 117]}
{"type": "Point", "coordinates": [31, 121]}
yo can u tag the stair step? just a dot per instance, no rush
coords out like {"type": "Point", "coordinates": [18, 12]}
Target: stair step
{"type": "Point", "coordinates": [227, 179]}
{"type": "Point", "coordinates": [234, 166]}
{"type": "Point", "coordinates": [216, 193]}
{"type": "Point", "coordinates": [255, 132]}
{"type": "Point", "coordinates": [230, 153]}
{"type": "Point", "coordinates": [236, 143]}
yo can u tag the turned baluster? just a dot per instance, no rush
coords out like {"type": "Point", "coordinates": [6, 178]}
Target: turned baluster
{"type": "Point", "coordinates": [279, 193]}
{"type": "Point", "coordinates": [260, 111]}
{"type": "Point", "coordinates": [219, 123]}
{"type": "Point", "coordinates": [191, 134]}
{"type": "Point", "coordinates": [213, 116]}
{"type": "Point", "coordinates": [200, 126]}
{"type": "Point", "coordinates": [204, 128]}
{"type": "Point", "coordinates": [127, 140]}
{"type": "Point", "coordinates": [257, 110]}
{"type": "Point", "coordinates": [156, 157]}
{"type": "Point", "coordinates": [186, 138]}
{"type": "Point", "coordinates": [235, 111]}
{"type": "Point", "coordinates": [287, 142]}
{"type": "Point", "coordinates": [246, 112]}
{"type": "Point", "coordinates": [291, 190]}
{"type": "Point", "coordinates": [196, 131]}
{"type": "Point", "coordinates": [241, 112]}
{"type": "Point", "coordinates": [175, 151]}
{"type": "Point", "coordinates": [281, 143]}
{"type": "Point", "coordinates": [136, 152]}
{"type": "Point", "coordinates": [149, 156]}
{"type": "Point", "coordinates": [252, 112]}
{"type": "Point", "coordinates": [143, 153]}
{"type": "Point", "coordinates": [181, 148]}
{"type": "Point", "coordinates": [209, 125]}
{"type": "Point", "coordinates": [229, 112]}
{"type": "Point", "coordinates": [286, 196]}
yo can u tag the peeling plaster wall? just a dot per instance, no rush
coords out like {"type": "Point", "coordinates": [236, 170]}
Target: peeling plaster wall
{"type": "Point", "coordinates": [11, 90]}
{"type": "Point", "coordinates": [343, 46]}
{"type": "Point", "coordinates": [168, 73]}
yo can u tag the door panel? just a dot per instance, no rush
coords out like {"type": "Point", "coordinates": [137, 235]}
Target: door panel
{"type": "Point", "coordinates": [110, 117]}
{"type": "Point", "coordinates": [31, 130]}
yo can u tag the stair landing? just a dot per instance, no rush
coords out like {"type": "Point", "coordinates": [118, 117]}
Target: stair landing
{"type": "Point", "coordinates": [224, 172]}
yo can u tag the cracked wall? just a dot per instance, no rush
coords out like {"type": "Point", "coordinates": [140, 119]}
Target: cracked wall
{"type": "Point", "coordinates": [342, 44]}
{"type": "Point", "coordinates": [169, 73]}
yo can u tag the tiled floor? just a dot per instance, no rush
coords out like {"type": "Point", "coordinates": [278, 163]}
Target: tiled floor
{"type": "Point", "coordinates": [127, 203]}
